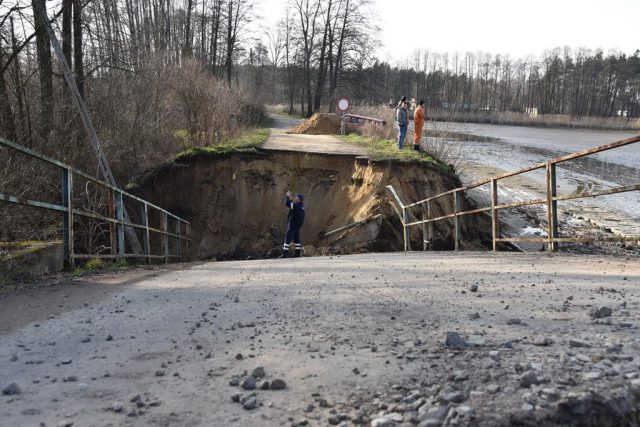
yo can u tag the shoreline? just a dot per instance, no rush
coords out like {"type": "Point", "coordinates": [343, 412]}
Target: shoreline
{"type": "Point", "coordinates": [551, 122]}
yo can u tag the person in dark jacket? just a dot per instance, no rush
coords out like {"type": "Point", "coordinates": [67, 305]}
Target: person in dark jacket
{"type": "Point", "coordinates": [295, 220]}
{"type": "Point", "coordinates": [402, 117]}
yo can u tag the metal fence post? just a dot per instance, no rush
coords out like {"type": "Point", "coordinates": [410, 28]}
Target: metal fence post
{"type": "Point", "coordinates": [456, 221]}
{"type": "Point", "coordinates": [67, 222]}
{"type": "Point", "coordinates": [430, 226]}
{"type": "Point", "coordinates": [495, 230]}
{"type": "Point", "coordinates": [120, 225]}
{"type": "Point", "coordinates": [112, 226]}
{"type": "Point", "coordinates": [405, 230]}
{"type": "Point", "coordinates": [146, 242]}
{"type": "Point", "coordinates": [425, 241]}
{"type": "Point", "coordinates": [165, 237]}
{"type": "Point", "coordinates": [178, 239]}
{"type": "Point", "coordinates": [552, 206]}
{"type": "Point", "coordinates": [187, 230]}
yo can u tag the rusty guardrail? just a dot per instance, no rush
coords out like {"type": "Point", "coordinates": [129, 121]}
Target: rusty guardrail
{"type": "Point", "coordinates": [356, 120]}
{"type": "Point", "coordinates": [115, 218]}
{"type": "Point", "coordinates": [551, 200]}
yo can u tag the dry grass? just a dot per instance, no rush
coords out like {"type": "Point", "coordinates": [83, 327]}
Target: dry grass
{"type": "Point", "coordinates": [546, 120]}
{"type": "Point", "coordinates": [143, 119]}
{"type": "Point", "coordinates": [443, 144]}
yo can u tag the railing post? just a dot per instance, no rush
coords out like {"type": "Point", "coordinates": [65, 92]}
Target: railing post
{"type": "Point", "coordinates": [120, 224]}
{"type": "Point", "coordinates": [187, 230]}
{"type": "Point", "coordinates": [456, 221]}
{"type": "Point", "coordinates": [178, 239]}
{"type": "Point", "coordinates": [495, 230]}
{"type": "Point", "coordinates": [552, 206]}
{"type": "Point", "coordinates": [146, 242]}
{"type": "Point", "coordinates": [425, 241]}
{"type": "Point", "coordinates": [112, 226]}
{"type": "Point", "coordinates": [405, 230]}
{"type": "Point", "coordinates": [165, 237]}
{"type": "Point", "coordinates": [430, 226]}
{"type": "Point", "coordinates": [67, 222]}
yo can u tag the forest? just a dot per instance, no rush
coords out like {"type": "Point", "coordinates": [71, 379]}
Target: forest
{"type": "Point", "coordinates": [159, 75]}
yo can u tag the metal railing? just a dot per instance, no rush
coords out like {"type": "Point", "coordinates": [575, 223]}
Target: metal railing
{"type": "Point", "coordinates": [551, 201]}
{"type": "Point", "coordinates": [355, 120]}
{"type": "Point", "coordinates": [116, 219]}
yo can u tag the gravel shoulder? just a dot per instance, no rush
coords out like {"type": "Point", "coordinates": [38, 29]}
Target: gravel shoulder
{"type": "Point", "coordinates": [356, 339]}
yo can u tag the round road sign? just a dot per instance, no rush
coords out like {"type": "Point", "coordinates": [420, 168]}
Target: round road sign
{"type": "Point", "coordinates": [343, 104]}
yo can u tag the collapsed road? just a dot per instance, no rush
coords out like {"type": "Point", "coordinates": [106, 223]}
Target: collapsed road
{"type": "Point", "coordinates": [374, 339]}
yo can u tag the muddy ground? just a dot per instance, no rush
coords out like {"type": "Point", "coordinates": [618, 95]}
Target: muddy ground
{"type": "Point", "coordinates": [357, 340]}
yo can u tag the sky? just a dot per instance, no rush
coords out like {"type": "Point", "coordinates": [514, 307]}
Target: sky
{"type": "Point", "coordinates": [515, 27]}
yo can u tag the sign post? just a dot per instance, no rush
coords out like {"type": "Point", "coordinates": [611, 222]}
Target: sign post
{"type": "Point", "coordinates": [343, 107]}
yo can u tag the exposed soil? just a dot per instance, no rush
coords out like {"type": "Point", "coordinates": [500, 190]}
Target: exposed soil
{"type": "Point", "coordinates": [319, 124]}
{"type": "Point", "coordinates": [236, 202]}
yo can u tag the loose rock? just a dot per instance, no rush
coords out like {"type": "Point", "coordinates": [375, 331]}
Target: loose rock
{"type": "Point", "coordinates": [250, 403]}
{"type": "Point", "coordinates": [454, 340]}
{"type": "Point", "coordinates": [11, 390]}
{"type": "Point", "coordinates": [542, 341]}
{"type": "Point", "coordinates": [278, 384]}
{"type": "Point", "coordinates": [600, 312]}
{"type": "Point", "coordinates": [258, 372]}
{"type": "Point", "coordinates": [249, 383]}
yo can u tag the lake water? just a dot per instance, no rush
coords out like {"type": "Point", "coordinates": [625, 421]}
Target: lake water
{"type": "Point", "coordinates": [520, 146]}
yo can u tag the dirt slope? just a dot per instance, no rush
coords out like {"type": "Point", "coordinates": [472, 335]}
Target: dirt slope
{"type": "Point", "coordinates": [235, 202]}
{"type": "Point", "coordinates": [319, 124]}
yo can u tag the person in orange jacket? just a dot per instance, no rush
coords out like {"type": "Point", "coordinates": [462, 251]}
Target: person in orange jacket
{"type": "Point", "coordinates": [418, 123]}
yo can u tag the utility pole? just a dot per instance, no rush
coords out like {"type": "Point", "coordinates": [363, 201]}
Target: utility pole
{"type": "Point", "coordinates": [94, 141]}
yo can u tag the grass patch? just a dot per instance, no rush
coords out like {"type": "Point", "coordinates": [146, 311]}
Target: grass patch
{"type": "Point", "coordinates": [6, 280]}
{"type": "Point", "coordinates": [386, 150]}
{"type": "Point", "coordinates": [95, 265]}
{"type": "Point", "coordinates": [246, 143]}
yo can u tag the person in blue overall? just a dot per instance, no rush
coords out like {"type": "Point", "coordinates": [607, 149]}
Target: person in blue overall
{"type": "Point", "coordinates": [295, 220]}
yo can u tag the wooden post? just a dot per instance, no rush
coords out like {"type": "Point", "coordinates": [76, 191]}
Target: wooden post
{"type": "Point", "coordinates": [165, 237]}
{"type": "Point", "coordinates": [456, 221]}
{"type": "Point", "coordinates": [146, 241]}
{"type": "Point", "coordinates": [552, 206]}
{"type": "Point", "coordinates": [67, 222]}
{"type": "Point", "coordinates": [120, 225]}
{"type": "Point", "coordinates": [495, 225]}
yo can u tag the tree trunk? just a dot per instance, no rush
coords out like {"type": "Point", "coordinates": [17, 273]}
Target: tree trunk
{"type": "Point", "coordinates": [6, 113]}
{"type": "Point", "coordinates": [187, 32]}
{"type": "Point", "coordinates": [78, 65]}
{"type": "Point", "coordinates": [230, 41]}
{"type": "Point", "coordinates": [322, 69]}
{"type": "Point", "coordinates": [67, 9]}
{"type": "Point", "coordinates": [43, 47]}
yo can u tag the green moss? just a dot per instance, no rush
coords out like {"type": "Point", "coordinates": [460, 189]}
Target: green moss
{"type": "Point", "coordinates": [6, 280]}
{"type": "Point", "coordinates": [94, 264]}
{"type": "Point", "coordinates": [386, 150]}
{"type": "Point", "coordinates": [246, 143]}
{"type": "Point", "coordinates": [23, 243]}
